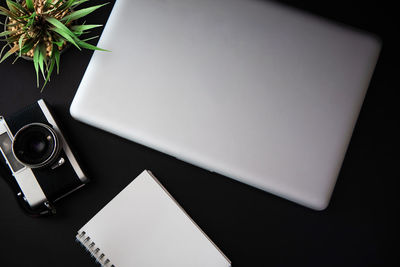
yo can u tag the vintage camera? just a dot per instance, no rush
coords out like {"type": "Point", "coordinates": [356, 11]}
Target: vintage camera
{"type": "Point", "coordinates": [42, 166]}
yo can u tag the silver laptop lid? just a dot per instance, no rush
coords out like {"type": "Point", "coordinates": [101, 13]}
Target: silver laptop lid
{"type": "Point", "coordinates": [252, 90]}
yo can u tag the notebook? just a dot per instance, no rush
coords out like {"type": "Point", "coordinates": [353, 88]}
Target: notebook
{"type": "Point", "coordinates": [144, 226]}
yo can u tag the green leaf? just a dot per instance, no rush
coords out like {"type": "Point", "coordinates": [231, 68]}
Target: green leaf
{"type": "Point", "coordinates": [71, 3]}
{"type": "Point", "coordinates": [64, 6]}
{"type": "Point", "coordinates": [49, 71]}
{"type": "Point", "coordinates": [90, 38]}
{"type": "Point", "coordinates": [56, 54]}
{"type": "Point", "coordinates": [48, 3]}
{"type": "Point", "coordinates": [16, 7]}
{"type": "Point", "coordinates": [10, 25]}
{"type": "Point", "coordinates": [81, 13]}
{"type": "Point", "coordinates": [5, 33]}
{"type": "Point", "coordinates": [29, 5]}
{"type": "Point", "coordinates": [81, 28]}
{"type": "Point", "coordinates": [15, 60]}
{"type": "Point", "coordinates": [27, 27]}
{"type": "Point", "coordinates": [76, 3]}
{"type": "Point", "coordinates": [27, 46]}
{"type": "Point", "coordinates": [6, 55]}
{"type": "Point", "coordinates": [55, 6]}
{"type": "Point", "coordinates": [42, 57]}
{"type": "Point", "coordinates": [66, 36]}
{"type": "Point", "coordinates": [9, 53]}
{"type": "Point", "coordinates": [13, 38]}
{"type": "Point", "coordinates": [10, 14]}
{"type": "Point", "coordinates": [56, 23]}
{"type": "Point", "coordinates": [58, 43]}
{"type": "Point", "coordinates": [2, 50]}
{"type": "Point", "coordinates": [62, 30]}
{"type": "Point", "coordinates": [20, 41]}
{"type": "Point", "coordinates": [36, 64]}
{"type": "Point", "coordinates": [31, 20]}
{"type": "Point", "coordinates": [11, 6]}
{"type": "Point", "coordinates": [89, 46]}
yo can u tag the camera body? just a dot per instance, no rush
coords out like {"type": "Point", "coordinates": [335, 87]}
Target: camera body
{"type": "Point", "coordinates": [41, 162]}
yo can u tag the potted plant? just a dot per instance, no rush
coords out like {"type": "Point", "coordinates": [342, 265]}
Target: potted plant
{"type": "Point", "coordinates": [39, 30]}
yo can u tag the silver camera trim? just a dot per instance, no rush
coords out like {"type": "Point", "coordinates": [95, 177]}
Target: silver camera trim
{"type": "Point", "coordinates": [54, 153]}
{"type": "Point", "coordinates": [30, 188]}
{"type": "Point", "coordinates": [24, 177]}
{"type": "Point", "coordinates": [65, 146]}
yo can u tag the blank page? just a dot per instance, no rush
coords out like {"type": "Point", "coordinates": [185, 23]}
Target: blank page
{"type": "Point", "coordinates": [144, 226]}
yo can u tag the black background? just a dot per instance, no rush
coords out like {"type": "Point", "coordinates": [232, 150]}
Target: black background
{"type": "Point", "coordinates": [253, 228]}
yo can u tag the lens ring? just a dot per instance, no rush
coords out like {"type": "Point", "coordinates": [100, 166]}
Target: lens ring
{"type": "Point", "coordinates": [36, 145]}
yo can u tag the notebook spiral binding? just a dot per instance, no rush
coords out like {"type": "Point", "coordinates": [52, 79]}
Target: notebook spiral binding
{"type": "Point", "coordinates": [95, 252]}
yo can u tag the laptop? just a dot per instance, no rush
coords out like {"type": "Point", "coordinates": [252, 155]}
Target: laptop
{"type": "Point", "coordinates": [253, 90]}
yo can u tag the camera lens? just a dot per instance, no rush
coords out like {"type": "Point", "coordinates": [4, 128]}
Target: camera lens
{"type": "Point", "coordinates": [36, 145]}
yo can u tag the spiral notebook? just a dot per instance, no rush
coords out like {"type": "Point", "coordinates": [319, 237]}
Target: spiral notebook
{"type": "Point", "coordinates": [144, 226]}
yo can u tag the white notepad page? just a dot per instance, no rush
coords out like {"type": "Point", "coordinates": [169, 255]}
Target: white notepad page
{"type": "Point", "coordinates": [144, 226]}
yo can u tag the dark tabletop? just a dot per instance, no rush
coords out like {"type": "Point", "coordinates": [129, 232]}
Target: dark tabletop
{"type": "Point", "coordinates": [252, 227]}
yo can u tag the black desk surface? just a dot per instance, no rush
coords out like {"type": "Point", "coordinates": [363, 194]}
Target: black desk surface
{"type": "Point", "coordinates": [252, 227]}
